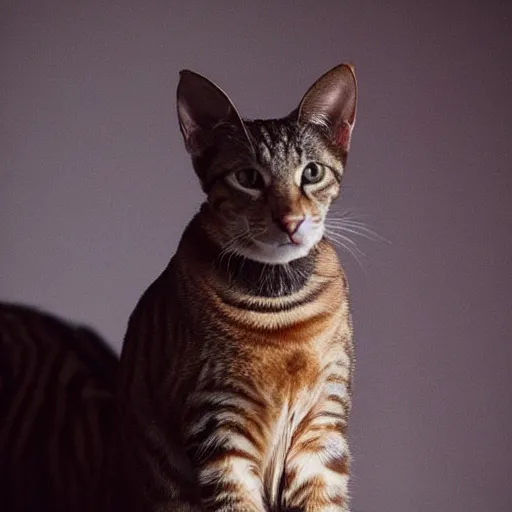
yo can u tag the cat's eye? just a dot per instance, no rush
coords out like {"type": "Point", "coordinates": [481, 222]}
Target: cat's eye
{"type": "Point", "coordinates": [249, 178]}
{"type": "Point", "coordinates": [312, 173]}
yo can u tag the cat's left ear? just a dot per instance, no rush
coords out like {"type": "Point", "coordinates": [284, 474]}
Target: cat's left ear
{"type": "Point", "coordinates": [330, 104]}
{"type": "Point", "coordinates": [201, 107]}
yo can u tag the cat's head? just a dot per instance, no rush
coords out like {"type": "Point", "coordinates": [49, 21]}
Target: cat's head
{"type": "Point", "coordinates": [269, 183]}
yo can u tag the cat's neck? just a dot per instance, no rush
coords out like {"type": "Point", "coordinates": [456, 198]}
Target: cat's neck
{"type": "Point", "coordinates": [266, 280]}
{"type": "Point", "coordinates": [247, 276]}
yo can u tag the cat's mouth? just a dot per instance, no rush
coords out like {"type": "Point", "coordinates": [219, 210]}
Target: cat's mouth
{"type": "Point", "coordinates": [280, 249]}
{"type": "Point", "coordinates": [276, 241]}
{"type": "Point", "coordinates": [274, 245]}
{"type": "Point", "coordinates": [271, 245]}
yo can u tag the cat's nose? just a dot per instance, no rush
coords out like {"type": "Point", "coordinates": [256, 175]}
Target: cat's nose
{"type": "Point", "coordinates": [290, 225]}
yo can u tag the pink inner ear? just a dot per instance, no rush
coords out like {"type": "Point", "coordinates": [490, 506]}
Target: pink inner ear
{"type": "Point", "coordinates": [343, 138]}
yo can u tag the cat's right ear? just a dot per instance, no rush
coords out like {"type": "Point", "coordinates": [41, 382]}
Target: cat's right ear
{"type": "Point", "coordinates": [330, 103]}
{"type": "Point", "coordinates": [201, 107]}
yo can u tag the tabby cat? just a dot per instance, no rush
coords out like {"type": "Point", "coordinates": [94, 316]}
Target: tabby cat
{"type": "Point", "coordinates": [236, 370]}
{"type": "Point", "coordinates": [56, 411]}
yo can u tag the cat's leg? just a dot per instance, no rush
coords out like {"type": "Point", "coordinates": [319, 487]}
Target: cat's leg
{"type": "Point", "coordinates": [317, 465]}
{"type": "Point", "coordinates": [224, 447]}
{"type": "Point", "coordinates": [230, 485]}
{"type": "Point", "coordinates": [228, 474]}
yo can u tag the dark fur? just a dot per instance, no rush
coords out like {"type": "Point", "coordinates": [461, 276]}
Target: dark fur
{"type": "Point", "coordinates": [56, 410]}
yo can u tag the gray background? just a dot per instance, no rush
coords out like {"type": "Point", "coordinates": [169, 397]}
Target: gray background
{"type": "Point", "coordinates": [96, 189]}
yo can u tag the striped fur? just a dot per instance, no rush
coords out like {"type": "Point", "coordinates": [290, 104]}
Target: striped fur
{"type": "Point", "coordinates": [56, 410]}
{"type": "Point", "coordinates": [236, 374]}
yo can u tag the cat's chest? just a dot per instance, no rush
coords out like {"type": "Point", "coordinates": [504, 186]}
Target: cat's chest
{"type": "Point", "coordinates": [294, 411]}
{"type": "Point", "coordinates": [302, 391]}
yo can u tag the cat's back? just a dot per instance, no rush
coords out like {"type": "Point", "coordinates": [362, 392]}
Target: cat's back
{"type": "Point", "coordinates": [34, 342]}
{"type": "Point", "coordinates": [56, 406]}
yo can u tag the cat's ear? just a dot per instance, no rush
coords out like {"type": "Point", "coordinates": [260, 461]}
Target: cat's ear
{"type": "Point", "coordinates": [330, 103]}
{"type": "Point", "coordinates": [201, 107]}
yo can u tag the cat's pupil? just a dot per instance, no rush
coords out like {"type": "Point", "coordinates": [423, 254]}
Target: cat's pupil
{"type": "Point", "coordinates": [249, 178]}
{"type": "Point", "coordinates": [312, 171]}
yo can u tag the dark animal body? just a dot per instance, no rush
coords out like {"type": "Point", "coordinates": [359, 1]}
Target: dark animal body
{"type": "Point", "coordinates": [56, 411]}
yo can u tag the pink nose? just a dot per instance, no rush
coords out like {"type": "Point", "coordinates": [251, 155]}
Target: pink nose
{"type": "Point", "coordinates": [290, 225]}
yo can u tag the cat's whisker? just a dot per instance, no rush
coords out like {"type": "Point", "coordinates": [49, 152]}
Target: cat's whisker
{"type": "Point", "coordinates": [353, 252]}
{"type": "Point", "coordinates": [356, 227]}
{"type": "Point", "coordinates": [231, 253]}
{"type": "Point", "coordinates": [346, 222]}
{"type": "Point", "coordinates": [232, 244]}
{"type": "Point", "coordinates": [263, 277]}
{"type": "Point", "coordinates": [347, 216]}
{"type": "Point", "coordinates": [335, 234]}
{"type": "Point", "coordinates": [350, 213]}
{"type": "Point", "coordinates": [359, 231]}
{"type": "Point", "coordinates": [346, 243]}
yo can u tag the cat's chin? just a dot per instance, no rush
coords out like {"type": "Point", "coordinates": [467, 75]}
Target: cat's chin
{"type": "Point", "coordinates": [278, 254]}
